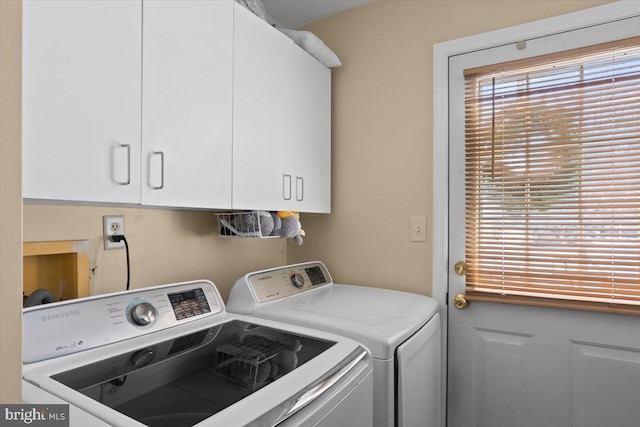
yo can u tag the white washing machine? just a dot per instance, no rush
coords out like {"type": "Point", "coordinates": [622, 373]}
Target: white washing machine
{"type": "Point", "coordinates": [172, 356]}
{"type": "Point", "coordinates": [402, 331]}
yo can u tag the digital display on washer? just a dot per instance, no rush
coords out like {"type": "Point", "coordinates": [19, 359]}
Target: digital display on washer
{"type": "Point", "coordinates": [315, 275]}
{"type": "Point", "coordinates": [190, 303]}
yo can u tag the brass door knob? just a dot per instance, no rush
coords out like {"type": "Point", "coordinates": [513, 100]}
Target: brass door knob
{"type": "Point", "coordinates": [460, 268]}
{"type": "Point", "coordinates": [460, 302]}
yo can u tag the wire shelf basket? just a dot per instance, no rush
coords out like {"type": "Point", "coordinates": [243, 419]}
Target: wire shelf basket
{"type": "Point", "coordinates": [242, 224]}
{"type": "Point", "coordinates": [249, 362]}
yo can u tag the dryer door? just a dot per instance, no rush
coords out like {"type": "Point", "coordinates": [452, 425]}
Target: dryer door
{"type": "Point", "coordinates": [418, 376]}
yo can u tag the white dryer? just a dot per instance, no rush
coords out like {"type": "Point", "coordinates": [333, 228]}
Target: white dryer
{"type": "Point", "coordinates": [401, 329]}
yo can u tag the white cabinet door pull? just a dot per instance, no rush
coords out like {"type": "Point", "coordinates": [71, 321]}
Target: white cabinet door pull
{"type": "Point", "coordinates": [299, 188]}
{"type": "Point", "coordinates": [286, 186]}
{"type": "Point", "coordinates": [126, 181]}
{"type": "Point", "coordinates": [161, 186]}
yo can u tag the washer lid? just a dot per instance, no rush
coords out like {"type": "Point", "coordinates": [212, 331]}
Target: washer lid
{"type": "Point", "coordinates": [189, 382]}
{"type": "Point", "coordinates": [380, 319]}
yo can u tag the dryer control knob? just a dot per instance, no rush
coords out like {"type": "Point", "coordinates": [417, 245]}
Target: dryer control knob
{"type": "Point", "coordinates": [143, 314]}
{"type": "Point", "coordinates": [297, 280]}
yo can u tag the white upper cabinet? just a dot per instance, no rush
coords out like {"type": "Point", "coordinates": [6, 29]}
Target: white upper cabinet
{"type": "Point", "coordinates": [311, 185]}
{"type": "Point", "coordinates": [262, 111]}
{"type": "Point", "coordinates": [191, 104]}
{"type": "Point", "coordinates": [187, 86]}
{"type": "Point", "coordinates": [281, 122]}
{"type": "Point", "coordinates": [81, 100]}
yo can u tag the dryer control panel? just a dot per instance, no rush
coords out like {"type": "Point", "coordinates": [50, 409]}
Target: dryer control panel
{"type": "Point", "coordinates": [270, 285]}
{"type": "Point", "coordinates": [53, 330]}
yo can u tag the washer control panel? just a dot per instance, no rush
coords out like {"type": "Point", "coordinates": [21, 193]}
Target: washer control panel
{"type": "Point", "coordinates": [53, 330]}
{"type": "Point", "coordinates": [277, 283]}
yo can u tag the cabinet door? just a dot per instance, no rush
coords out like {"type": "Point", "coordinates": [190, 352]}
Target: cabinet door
{"type": "Point", "coordinates": [81, 100]}
{"type": "Point", "coordinates": [262, 110]}
{"type": "Point", "coordinates": [186, 106]}
{"type": "Point", "coordinates": [311, 133]}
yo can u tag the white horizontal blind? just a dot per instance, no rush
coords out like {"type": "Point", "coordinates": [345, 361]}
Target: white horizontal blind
{"type": "Point", "coordinates": [552, 179]}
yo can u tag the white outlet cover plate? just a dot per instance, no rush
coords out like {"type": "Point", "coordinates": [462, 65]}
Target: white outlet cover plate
{"type": "Point", "coordinates": [107, 222]}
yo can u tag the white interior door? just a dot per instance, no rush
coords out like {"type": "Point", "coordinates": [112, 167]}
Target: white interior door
{"type": "Point", "coordinates": [513, 365]}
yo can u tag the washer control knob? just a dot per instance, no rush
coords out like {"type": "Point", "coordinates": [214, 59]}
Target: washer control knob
{"type": "Point", "coordinates": [143, 314]}
{"type": "Point", "coordinates": [143, 357]}
{"type": "Point", "coordinates": [297, 280]}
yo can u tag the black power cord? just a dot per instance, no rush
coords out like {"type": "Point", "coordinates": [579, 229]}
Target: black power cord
{"type": "Point", "coordinates": [120, 238]}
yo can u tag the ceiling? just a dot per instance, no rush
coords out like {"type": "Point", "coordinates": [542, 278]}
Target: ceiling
{"type": "Point", "coordinates": [295, 14]}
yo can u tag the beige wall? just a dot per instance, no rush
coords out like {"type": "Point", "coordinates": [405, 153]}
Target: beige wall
{"type": "Point", "coordinates": [10, 202]}
{"type": "Point", "coordinates": [382, 131]}
{"type": "Point", "coordinates": [164, 245]}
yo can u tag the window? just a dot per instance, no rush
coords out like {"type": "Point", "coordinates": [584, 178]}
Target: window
{"type": "Point", "coordinates": [552, 179]}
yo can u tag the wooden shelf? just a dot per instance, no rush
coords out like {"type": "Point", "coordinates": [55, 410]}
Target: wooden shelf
{"type": "Point", "coordinates": [62, 267]}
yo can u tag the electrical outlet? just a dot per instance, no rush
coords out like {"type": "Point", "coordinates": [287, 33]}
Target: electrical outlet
{"type": "Point", "coordinates": [112, 225]}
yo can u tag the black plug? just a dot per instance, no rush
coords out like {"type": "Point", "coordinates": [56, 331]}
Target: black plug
{"type": "Point", "coordinates": [120, 238]}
